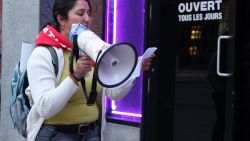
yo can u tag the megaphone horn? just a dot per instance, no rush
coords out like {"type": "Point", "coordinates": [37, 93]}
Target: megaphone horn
{"type": "Point", "coordinates": [115, 63]}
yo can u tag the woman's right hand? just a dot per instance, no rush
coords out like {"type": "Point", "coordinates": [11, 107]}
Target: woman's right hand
{"type": "Point", "coordinates": [83, 66]}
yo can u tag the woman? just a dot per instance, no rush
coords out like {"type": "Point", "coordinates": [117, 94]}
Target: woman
{"type": "Point", "coordinates": [59, 110]}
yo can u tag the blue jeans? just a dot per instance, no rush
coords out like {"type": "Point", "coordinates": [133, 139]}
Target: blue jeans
{"type": "Point", "coordinates": [49, 133]}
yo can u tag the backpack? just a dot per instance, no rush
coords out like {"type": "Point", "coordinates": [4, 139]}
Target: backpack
{"type": "Point", "coordinates": [19, 104]}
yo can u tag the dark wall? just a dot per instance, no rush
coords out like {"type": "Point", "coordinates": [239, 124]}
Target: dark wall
{"type": "Point", "coordinates": [243, 71]}
{"type": "Point", "coordinates": [159, 101]}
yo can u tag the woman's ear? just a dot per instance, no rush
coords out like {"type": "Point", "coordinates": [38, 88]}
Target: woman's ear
{"type": "Point", "coordinates": [61, 20]}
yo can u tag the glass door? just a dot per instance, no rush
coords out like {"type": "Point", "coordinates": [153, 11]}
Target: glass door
{"type": "Point", "coordinates": [204, 71]}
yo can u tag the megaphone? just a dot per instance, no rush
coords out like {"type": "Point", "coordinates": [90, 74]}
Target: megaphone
{"type": "Point", "coordinates": [114, 63]}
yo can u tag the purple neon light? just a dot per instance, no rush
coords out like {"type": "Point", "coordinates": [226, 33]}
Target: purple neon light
{"type": "Point", "coordinates": [118, 20]}
{"type": "Point", "coordinates": [126, 113]}
{"type": "Point", "coordinates": [107, 23]}
{"type": "Point", "coordinates": [114, 22]}
{"type": "Point", "coordinates": [113, 105]}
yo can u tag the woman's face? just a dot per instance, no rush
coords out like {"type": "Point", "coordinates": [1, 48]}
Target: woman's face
{"type": "Point", "coordinates": [79, 14]}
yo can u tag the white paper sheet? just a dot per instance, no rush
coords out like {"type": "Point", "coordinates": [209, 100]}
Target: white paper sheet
{"type": "Point", "coordinates": [26, 50]}
{"type": "Point", "coordinates": [137, 71]}
{"type": "Point", "coordinates": [147, 54]}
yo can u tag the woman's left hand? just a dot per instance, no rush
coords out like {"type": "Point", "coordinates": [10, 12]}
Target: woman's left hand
{"type": "Point", "coordinates": [147, 63]}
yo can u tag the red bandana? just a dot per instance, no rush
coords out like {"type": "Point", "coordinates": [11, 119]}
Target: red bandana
{"type": "Point", "coordinates": [50, 36]}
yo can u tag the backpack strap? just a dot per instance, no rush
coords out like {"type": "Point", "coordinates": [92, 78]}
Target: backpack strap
{"type": "Point", "coordinates": [54, 58]}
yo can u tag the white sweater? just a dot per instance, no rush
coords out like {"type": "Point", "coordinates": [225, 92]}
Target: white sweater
{"type": "Point", "coordinates": [48, 98]}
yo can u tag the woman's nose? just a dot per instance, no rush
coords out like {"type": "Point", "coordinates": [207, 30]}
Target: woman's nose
{"type": "Point", "coordinates": [86, 18]}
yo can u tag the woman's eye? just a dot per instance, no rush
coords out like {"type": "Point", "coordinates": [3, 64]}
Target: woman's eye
{"type": "Point", "coordinates": [80, 14]}
{"type": "Point", "coordinates": [83, 12]}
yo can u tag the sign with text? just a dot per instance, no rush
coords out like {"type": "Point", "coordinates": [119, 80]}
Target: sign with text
{"type": "Point", "coordinates": [200, 11]}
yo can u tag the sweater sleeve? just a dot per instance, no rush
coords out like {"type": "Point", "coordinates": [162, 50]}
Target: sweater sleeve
{"type": "Point", "coordinates": [48, 98]}
{"type": "Point", "coordinates": [119, 92]}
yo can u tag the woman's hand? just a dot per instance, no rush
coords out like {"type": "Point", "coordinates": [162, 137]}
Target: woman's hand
{"type": "Point", "coordinates": [147, 63]}
{"type": "Point", "coordinates": [83, 66]}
